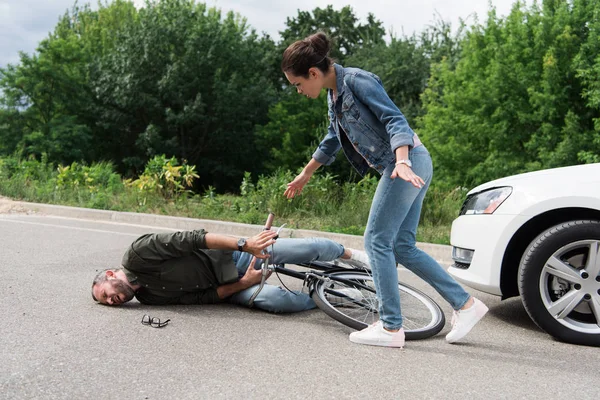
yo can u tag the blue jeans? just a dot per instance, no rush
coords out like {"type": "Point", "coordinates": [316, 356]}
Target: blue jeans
{"type": "Point", "coordinates": [284, 251]}
{"type": "Point", "coordinates": [390, 238]}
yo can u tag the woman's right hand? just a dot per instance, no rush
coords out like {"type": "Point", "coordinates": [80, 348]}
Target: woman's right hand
{"type": "Point", "coordinates": [295, 187]}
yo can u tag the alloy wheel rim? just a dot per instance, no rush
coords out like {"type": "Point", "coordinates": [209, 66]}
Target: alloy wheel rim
{"type": "Point", "coordinates": [570, 286]}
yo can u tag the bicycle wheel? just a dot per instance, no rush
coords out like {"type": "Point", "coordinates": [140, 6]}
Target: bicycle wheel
{"type": "Point", "coordinates": [350, 298]}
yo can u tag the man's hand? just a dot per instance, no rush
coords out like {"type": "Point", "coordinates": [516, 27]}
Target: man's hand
{"type": "Point", "coordinates": [256, 244]}
{"type": "Point", "coordinates": [252, 276]}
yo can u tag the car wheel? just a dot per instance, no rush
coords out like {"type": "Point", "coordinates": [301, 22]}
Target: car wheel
{"type": "Point", "coordinates": [559, 281]}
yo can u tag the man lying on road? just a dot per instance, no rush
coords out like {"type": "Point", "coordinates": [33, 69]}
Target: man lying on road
{"type": "Point", "coordinates": [197, 267]}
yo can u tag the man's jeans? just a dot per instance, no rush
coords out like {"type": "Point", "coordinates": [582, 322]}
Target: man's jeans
{"type": "Point", "coordinates": [284, 251]}
{"type": "Point", "coordinates": [390, 238]}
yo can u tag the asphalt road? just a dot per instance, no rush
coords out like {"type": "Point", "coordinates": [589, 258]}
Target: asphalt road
{"type": "Point", "coordinates": [56, 343]}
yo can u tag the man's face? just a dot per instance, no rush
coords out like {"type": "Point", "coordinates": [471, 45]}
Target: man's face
{"type": "Point", "coordinates": [113, 292]}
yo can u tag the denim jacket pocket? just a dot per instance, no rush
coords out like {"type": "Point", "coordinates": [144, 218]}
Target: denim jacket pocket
{"type": "Point", "coordinates": [349, 108]}
{"type": "Point", "coordinates": [369, 138]}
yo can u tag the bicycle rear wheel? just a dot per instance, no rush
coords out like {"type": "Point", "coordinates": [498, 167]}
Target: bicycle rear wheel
{"type": "Point", "coordinates": [350, 298]}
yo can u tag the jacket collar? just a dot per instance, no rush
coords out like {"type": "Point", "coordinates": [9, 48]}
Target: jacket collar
{"type": "Point", "coordinates": [339, 78]}
{"type": "Point", "coordinates": [339, 83]}
{"type": "Point", "coordinates": [131, 277]}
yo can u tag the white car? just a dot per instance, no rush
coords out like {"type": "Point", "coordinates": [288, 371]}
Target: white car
{"type": "Point", "coordinates": [537, 235]}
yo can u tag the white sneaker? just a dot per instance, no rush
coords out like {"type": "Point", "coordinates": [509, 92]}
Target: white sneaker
{"type": "Point", "coordinates": [349, 297]}
{"type": "Point", "coordinates": [376, 335]}
{"type": "Point", "coordinates": [358, 258]}
{"type": "Point", "coordinates": [464, 320]}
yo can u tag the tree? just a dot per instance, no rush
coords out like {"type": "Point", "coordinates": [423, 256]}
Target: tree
{"type": "Point", "coordinates": [187, 82]}
{"type": "Point", "coordinates": [347, 34]}
{"type": "Point", "coordinates": [404, 63]}
{"type": "Point", "coordinates": [519, 97]}
{"type": "Point", "coordinates": [47, 103]}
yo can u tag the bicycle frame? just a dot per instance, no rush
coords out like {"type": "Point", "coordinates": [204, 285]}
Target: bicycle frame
{"type": "Point", "coordinates": [318, 270]}
{"type": "Point", "coordinates": [308, 277]}
{"type": "Point", "coordinates": [334, 288]}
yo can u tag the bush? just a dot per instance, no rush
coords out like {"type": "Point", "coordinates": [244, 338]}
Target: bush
{"type": "Point", "coordinates": [164, 177]}
{"type": "Point", "coordinates": [325, 204]}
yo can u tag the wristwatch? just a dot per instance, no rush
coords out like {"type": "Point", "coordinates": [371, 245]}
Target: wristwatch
{"type": "Point", "coordinates": [407, 162]}
{"type": "Point", "coordinates": [241, 243]}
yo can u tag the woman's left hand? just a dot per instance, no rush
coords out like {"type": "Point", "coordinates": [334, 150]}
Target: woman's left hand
{"type": "Point", "coordinates": [403, 171]}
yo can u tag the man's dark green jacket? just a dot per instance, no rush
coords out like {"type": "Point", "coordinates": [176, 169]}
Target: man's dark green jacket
{"type": "Point", "coordinates": [177, 268]}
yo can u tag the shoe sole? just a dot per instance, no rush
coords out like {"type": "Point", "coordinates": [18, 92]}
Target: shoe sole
{"type": "Point", "coordinates": [376, 343]}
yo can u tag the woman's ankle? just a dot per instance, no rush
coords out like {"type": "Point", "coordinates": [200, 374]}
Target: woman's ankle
{"type": "Point", "coordinates": [468, 304]}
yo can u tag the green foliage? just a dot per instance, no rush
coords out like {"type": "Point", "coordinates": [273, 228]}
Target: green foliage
{"type": "Point", "coordinates": [323, 199]}
{"type": "Point", "coordinates": [296, 125]}
{"type": "Point", "coordinates": [126, 85]}
{"type": "Point", "coordinates": [47, 103]}
{"type": "Point", "coordinates": [76, 184]}
{"type": "Point", "coordinates": [343, 27]}
{"type": "Point", "coordinates": [324, 204]}
{"type": "Point", "coordinates": [441, 204]}
{"type": "Point", "coordinates": [404, 64]}
{"type": "Point", "coordinates": [187, 81]}
{"type": "Point", "coordinates": [93, 178]}
{"type": "Point", "coordinates": [521, 97]}
{"type": "Point", "coordinates": [164, 177]}
{"type": "Point", "coordinates": [26, 170]}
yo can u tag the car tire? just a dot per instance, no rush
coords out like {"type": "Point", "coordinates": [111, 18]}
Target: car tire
{"type": "Point", "coordinates": [554, 288]}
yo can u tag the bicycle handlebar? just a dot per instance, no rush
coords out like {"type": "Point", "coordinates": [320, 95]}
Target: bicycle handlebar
{"type": "Point", "coordinates": [269, 222]}
{"type": "Point", "coordinates": [265, 265]}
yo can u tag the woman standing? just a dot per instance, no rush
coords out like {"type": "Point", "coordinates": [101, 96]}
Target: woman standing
{"type": "Point", "coordinates": [373, 133]}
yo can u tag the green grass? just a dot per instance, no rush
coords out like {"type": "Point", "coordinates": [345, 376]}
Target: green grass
{"type": "Point", "coordinates": [325, 204]}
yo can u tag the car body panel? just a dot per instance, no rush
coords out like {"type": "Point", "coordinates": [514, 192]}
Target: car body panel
{"type": "Point", "coordinates": [574, 175]}
{"type": "Point", "coordinates": [488, 236]}
{"type": "Point", "coordinates": [533, 194]}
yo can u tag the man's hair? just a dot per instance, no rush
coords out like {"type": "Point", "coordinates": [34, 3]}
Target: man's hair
{"type": "Point", "coordinates": [101, 277]}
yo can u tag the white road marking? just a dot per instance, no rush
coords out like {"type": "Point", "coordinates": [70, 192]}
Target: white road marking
{"type": "Point", "coordinates": [84, 229]}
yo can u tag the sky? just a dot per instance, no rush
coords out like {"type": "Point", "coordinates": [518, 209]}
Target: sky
{"type": "Point", "coordinates": [24, 23]}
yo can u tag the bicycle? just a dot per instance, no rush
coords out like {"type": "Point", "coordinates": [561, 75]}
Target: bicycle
{"type": "Point", "coordinates": [346, 293]}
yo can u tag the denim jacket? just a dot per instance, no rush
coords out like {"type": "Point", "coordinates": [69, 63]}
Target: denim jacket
{"type": "Point", "coordinates": [372, 126]}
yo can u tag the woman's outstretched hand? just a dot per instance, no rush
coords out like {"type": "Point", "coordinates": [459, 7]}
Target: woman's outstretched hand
{"type": "Point", "coordinates": [295, 187]}
{"type": "Point", "coordinates": [403, 171]}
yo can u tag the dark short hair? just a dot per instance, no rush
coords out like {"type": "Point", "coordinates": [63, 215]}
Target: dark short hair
{"type": "Point", "coordinates": [101, 277]}
{"type": "Point", "coordinates": [307, 53]}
